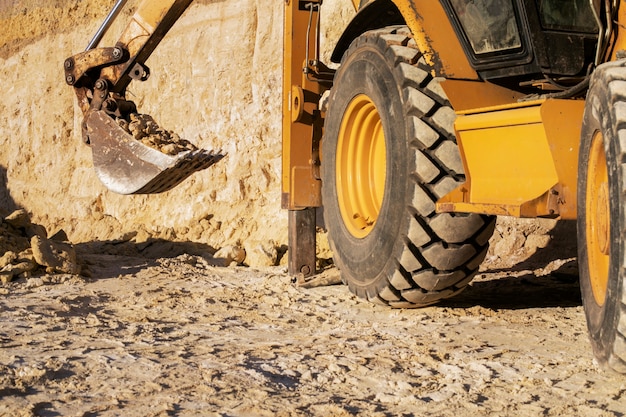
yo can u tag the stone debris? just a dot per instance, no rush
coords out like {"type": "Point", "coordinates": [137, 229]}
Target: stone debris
{"type": "Point", "coordinates": [55, 256]}
{"type": "Point", "coordinates": [145, 129]}
{"type": "Point", "coordinates": [261, 254]}
{"type": "Point", "coordinates": [19, 218]}
{"type": "Point", "coordinates": [230, 254]}
{"type": "Point", "coordinates": [515, 240]}
{"type": "Point", "coordinates": [25, 247]}
{"type": "Point", "coordinates": [7, 258]}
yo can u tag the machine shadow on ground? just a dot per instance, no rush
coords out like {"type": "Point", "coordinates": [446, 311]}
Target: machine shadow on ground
{"type": "Point", "coordinates": [526, 285]}
{"type": "Point", "coordinates": [110, 259]}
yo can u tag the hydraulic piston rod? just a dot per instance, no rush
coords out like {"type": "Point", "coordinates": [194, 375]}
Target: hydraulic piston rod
{"type": "Point", "coordinates": [119, 5]}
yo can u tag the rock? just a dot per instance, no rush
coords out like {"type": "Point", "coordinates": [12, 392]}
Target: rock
{"type": "Point", "coordinates": [60, 236]}
{"type": "Point", "coordinates": [7, 258]}
{"type": "Point", "coordinates": [142, 236]}
{"type": "Point", "coordinates": [144, 128]}
{"type": "Point", "coordinates": [229, 254]}
{"type": "Point", "coordinates": [537, 241]}
{"type": "Point", "coordinates": [322, 248]}
{"type": "Point", "coordinates": [19, 218]}
{"type": "Point", "coordinates": [509, 244]}
{"type": "Point", "coordinates": [55, 256]}
{"type": "Point", "coordinates": [12, 265]}
{"type": "Point", "coordinates": [19, 221]}
{"type": "Point", "coordinates": [26, 254]}
{"type": "Point", "coordinates": [6, 277]}
{"type": "Point", "coordinates": [35, 282]}
{"type": "Point", "coordinates": [10, 271]}
{"type": "Point", "coordinates": [36, 230]}
{"type": "Point", "coordinates": [323, 253]}
{"type": "Point", "coordinates": [284, 260]}
{"type": "Point", "coordinates": [260, 255]}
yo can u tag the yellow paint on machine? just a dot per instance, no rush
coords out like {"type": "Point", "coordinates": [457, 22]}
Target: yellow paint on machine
{"type": "Point", "coordinates": [520, 160]}
{"type": "Point", "coordinates": [300, 186]}
{"type": "Point", "coordinates": [436, 38]}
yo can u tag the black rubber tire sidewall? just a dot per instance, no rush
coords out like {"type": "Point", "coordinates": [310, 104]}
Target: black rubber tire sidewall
{"type": "Point", "coordinates": [368, 260]}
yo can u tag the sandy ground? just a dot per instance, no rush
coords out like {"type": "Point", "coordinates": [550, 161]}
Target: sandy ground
{"type": "Point", "coordinates": [143, 334]}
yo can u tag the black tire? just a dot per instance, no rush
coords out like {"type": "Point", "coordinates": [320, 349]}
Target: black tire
{"type": "Point", "coordinates": [408, 255]}
{"type": "Point", "coordinates": [602, 215]}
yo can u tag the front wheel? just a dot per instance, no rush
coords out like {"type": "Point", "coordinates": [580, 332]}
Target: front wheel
{"type": "Point", "coordinates": [389, 152]}
{"type": "Point", "coordinates": [602, 216]}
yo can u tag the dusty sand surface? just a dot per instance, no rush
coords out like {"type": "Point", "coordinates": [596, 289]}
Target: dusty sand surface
{"type": "Point", "coordinates": [144, 333]}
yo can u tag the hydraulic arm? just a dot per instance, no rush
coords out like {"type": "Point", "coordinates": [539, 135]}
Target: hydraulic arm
{"type": "Point", "coordinates": [100, 76]}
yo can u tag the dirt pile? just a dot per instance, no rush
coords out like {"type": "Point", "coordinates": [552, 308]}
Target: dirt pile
{"type": "Point", "coordinates": [145, 129]}
{"type": "Point", "coordinates": [26, 248]}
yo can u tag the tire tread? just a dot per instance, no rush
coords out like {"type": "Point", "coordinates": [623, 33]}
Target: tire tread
{"type": "Point", "coordinates": [438, 254]}
{"type": "Point", "coordinates": [605, 110]}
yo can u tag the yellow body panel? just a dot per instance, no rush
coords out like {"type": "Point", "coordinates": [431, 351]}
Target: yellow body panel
{"type": "Point", "coordinates": [465, 95]}
{"type": "Point", "coordinates": [436, 38]}
{"type": "Point", "coordinates": [520, 160]}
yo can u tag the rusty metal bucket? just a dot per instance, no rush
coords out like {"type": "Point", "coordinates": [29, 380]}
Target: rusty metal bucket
{"type": "Point", "coordinates": [127, 166]}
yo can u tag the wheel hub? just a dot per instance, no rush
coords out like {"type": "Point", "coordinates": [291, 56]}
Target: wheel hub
{"type": "Point", "coordinates": [598, 225]}
{"type": "Point", "coordinates": [361, 166]}
{"type": "Point", "coordinates": [602, 228]}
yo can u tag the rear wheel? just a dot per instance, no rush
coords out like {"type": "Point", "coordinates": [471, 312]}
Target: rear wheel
{"type": "Point", "coordinates": [601, 215]}
{"type": "Point", "coordinates": [389, 153]}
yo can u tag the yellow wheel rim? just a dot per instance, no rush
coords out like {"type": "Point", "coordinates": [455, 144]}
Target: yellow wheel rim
{"type": "Point", "coordinates": [361, 166]}
{"type": "Point", "coordinates": [598, 225]}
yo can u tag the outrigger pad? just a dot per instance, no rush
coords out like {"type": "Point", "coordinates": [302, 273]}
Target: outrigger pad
{"type": "Point", "coordinates": [127, 166]}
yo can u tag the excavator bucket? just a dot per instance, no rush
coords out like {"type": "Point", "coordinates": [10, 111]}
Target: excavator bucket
{"type": "Point", "coordinates": [126, 166]}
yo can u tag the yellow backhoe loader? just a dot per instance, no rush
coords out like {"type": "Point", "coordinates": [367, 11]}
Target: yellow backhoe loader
{"type": "Point", "coordinates": [441, 115]}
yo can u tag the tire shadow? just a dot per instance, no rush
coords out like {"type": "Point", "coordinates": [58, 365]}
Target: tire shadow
{"type": "Point", "coordinates": [527, 284]}
{"type": "Point", "coordinates": [520, 292]}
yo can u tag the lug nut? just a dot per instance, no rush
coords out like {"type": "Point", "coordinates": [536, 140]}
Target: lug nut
{"type": "Point", "coordinates": [100, 85]}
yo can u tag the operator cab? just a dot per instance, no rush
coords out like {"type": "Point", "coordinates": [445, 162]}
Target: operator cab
{"type": "Point", "coordinates": [523, 44]}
